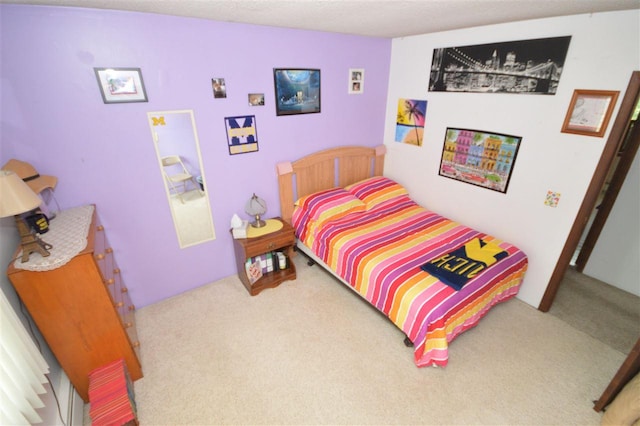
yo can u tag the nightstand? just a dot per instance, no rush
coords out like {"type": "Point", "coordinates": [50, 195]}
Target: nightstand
{"type": "Point", "coordinates": [281, 240]}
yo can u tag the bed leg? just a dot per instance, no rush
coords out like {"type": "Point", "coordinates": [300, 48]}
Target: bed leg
{"type": "Point", "coordinates": [407, 342]}
{"type": "Point", "coordinates": [310, 261]}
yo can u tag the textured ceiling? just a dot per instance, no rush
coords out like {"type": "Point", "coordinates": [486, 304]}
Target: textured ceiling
{"type": "Point", "coordinates": [378, 18]}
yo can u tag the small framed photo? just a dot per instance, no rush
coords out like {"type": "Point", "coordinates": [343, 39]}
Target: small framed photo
{"type": "Point", "coordinates": [297, 90]}
{"type": "Point", "coordinates": [589, 112]}
{"type": "Point", "coordinates": [219, 88]}
{"type": "Point", "coordinates": [356, 80]}
{"type": "Point", "coordinates": [256, 99]}
{"type": "Point", "coordinates": [118, 85]}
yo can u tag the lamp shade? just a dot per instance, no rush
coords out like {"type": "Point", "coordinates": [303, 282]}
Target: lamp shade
{"type": "Point", "coordinates": [15, 196]}
{"type": "Point", "coordinates": [256, 206]}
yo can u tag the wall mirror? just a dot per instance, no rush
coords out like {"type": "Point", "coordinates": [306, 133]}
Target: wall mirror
{"type": "Point", "coordinates": [178, 150]}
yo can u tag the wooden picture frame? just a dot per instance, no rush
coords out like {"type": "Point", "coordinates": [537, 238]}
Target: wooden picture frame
{"type": "Point", "coordinates": [297, 90]}
{"type": "Point", "coordinates": [120, 85]}
{"type": "Point", "coordinates": [589, 112]}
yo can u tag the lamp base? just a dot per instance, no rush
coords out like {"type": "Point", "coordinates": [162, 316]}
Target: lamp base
{"type": "Point", "coordinates": [258, 223]}
{"type": "Point", "coordinates": [31, 243]}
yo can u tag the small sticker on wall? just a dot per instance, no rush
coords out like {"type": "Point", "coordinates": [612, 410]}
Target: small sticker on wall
{"type": "Point", "coordinates": [552, 199]}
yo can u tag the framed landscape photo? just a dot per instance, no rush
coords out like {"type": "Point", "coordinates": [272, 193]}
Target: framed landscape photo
{"type": "Point", "coordinates": [119, 85]}
{"type": "Point", "coordinates": [589, 112]}
{"type": "Point", "coordinates": [480, 158]}
{"type": "Point", "coordinates": [297, 90]}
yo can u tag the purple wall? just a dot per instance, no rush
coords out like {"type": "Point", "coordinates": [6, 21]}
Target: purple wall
{"type": "Point", "coordinates": [53, 116]}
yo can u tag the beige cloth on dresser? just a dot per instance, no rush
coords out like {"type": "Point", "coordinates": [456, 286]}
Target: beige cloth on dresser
{"type": "Point", "coordinates": [68, 236]}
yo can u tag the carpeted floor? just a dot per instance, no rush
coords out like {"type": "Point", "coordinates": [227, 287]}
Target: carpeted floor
{"type": "Point", "coordinates": [312, 352]}
{"type": "Point", "coordinates": [602, 311]}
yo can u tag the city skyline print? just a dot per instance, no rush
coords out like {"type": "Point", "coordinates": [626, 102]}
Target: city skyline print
{"type": "Point", "coordinates": [480, 158]}
{"type": "Point", "coordinates": [525, 66]}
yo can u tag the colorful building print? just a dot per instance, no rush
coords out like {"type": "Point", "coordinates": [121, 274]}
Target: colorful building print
{"type": "Point", "coordinates": [480, 158]}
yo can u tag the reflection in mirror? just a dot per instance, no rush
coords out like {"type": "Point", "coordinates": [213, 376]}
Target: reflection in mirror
{"type": "Point", "coordinates": [178, 151]}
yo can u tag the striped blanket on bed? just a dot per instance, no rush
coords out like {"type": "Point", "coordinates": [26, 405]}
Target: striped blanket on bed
{"type": "Point", "coordinates": [379, 252]}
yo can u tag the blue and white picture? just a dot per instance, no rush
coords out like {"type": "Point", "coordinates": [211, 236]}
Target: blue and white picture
{"type": "Point", "coordinates": [242, 134]}
{"type": "Point", "coordinates": [297, 91]}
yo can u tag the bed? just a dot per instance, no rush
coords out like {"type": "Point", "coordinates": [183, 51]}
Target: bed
{"type": "Point", "coordinates": [432, 277]}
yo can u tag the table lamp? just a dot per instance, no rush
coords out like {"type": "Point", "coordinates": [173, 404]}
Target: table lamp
{"type": "Point", "coordinates": [256, 207]}
{"type": "Point", "coordinates": [17, 198]}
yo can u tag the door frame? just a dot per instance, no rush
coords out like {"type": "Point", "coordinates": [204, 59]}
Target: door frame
{"type": "Point", "coordinates": [609, 153]}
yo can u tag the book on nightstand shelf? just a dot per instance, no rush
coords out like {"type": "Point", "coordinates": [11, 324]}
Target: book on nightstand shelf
{"type": "Point", "coordinates": [254, 270]}
{"type": "Point", "coordinates": [257, 266]}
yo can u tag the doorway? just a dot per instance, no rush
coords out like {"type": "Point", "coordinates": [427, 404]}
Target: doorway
{"type": "Point", "coordinates": [625, 138]}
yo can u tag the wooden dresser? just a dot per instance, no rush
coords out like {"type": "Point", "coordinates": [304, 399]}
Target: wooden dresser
{"type": "Point", "coordinates": [78, 299]}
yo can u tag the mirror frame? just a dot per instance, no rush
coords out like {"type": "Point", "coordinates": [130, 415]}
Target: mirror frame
{"type": "Point", "coordinates": [196, 141]}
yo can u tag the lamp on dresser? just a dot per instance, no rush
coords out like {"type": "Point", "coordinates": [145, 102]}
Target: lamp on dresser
{"type": "Point", "coordinates": [16, 198]}
{"type": "Point", "coordinates": [255, 208]}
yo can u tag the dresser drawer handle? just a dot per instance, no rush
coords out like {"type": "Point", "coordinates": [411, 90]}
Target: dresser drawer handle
{"type": "Point", "coordinates": [119, 304]}
{"type": "Point", "coordinates": [128, 324]}
{"type": "Point", "coordinates": [100, 256]}
{"type": "Point", "coordinates": [100, 228]}
{"type": "Point", "coordinates": [271, 246]}
{"type": "Point", "coordinates": [124, 289]}
{"type": "Point", "coordinates": [116, 271]}
{"type": "Point", "coordinates": [110, 281]}
{"type": "Point", "coordinates": [109, 250]}
{"type": "Point", "coordinates": [132, 308]}
{"type": "Point", "coordinates": [136, 344]}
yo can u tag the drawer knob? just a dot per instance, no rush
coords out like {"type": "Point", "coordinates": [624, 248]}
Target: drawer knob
{"type": "Point", "coordinates": [136, 344]}
{"type": "Point", "coordinates": [119, 304]}
{"type": "Point", "coordinates": [100, 256]}
{"type": "Point", "coordinates": [109, 250]}
{"type": "Point", "coordinates": [132, 308]}
{"type": "Point", "coordinates": [100, 228]}
{"type": "Point", "coordinates": [110, 281]}
{"type": "Point", "coordinates": [116, 271]}
{"type": "Point", "coordinates": [272, 245]}
{"type": "Point", "coordinates": [128, 324]}
{"type": "Point", "coordinates": [124, 289]}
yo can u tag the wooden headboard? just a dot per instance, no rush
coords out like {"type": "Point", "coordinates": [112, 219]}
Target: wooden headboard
{"type": "Point", "coordinates": [334, 167]}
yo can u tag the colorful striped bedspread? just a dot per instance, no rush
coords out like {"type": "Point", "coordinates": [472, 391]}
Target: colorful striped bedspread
{"type": "Point", "coordinates": [379, 252]}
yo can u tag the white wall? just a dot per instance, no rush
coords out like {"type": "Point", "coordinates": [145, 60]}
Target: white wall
{"type": "Point", "coordinates": [614, 259]}
{"type": "Point", "coordinates": [604, 50]}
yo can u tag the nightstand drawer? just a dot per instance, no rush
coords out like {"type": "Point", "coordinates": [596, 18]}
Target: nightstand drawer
{"type": "Point", "coordinates": [270, 242]}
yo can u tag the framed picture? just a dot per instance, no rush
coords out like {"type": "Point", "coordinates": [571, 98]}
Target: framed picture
{"type": "Point", "coordinates": [297, 90]}
{"type": "Point", "coordinates": [410, 121]}
{"type": "Point", "coordinates": [219, 88]}
{"type": "Point", "coordinates": [118, 85]}
{"type": "Point", "coordinates": [256, 99]}
{"type": "Point", "coordinates": [589, 112]}
{"type": "Point", "coordinates": [514, 67]}
{"type": "Point", "coordinates": [356, 81]}
{"type": "Point", "coordinates": [480, 158]}
{"type": "Point", "coordinates": [242, 134]}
